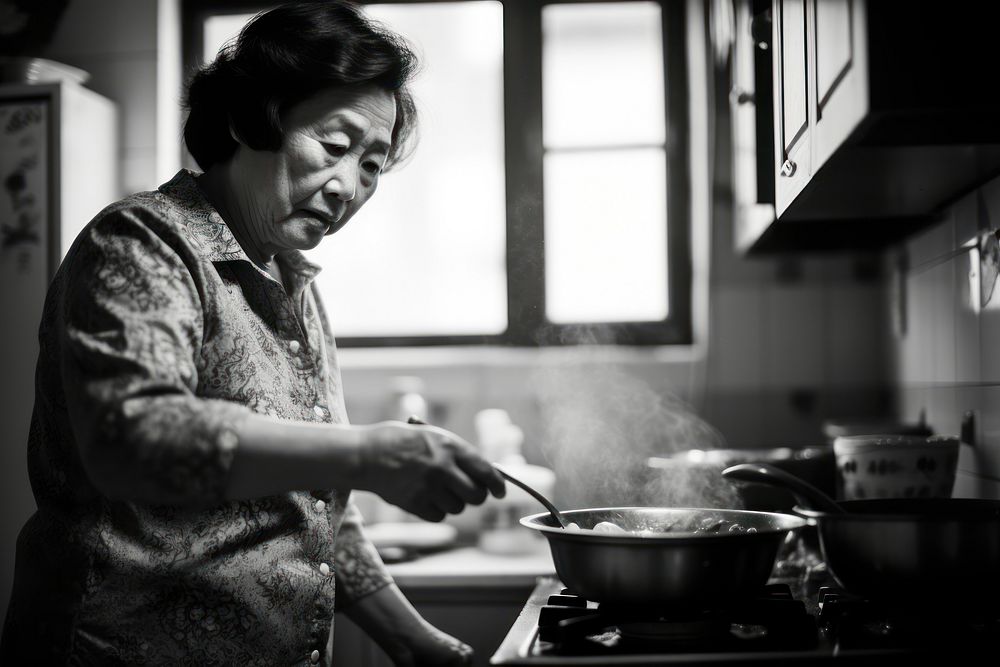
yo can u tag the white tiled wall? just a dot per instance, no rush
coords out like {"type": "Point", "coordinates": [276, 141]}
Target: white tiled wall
{"type": "Point", "coordinates": [116, 42]}
{"type": "Point", "coordinates": [948, 363]}
{"type": "Point", "coordinates": [793, 343]}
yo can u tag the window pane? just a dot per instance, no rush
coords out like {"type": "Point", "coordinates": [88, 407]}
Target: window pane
{"type": "Point", "coordinates": [606, 236]}
{"type": "Point", "coordinates": [602, 72]}
{"type": "Point", "coordinates": [219, 30]}
{"type": "Point", "coordinates": [427, 254]}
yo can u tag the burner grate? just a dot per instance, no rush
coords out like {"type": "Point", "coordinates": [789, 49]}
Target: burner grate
{"type": "Point", "coordinates": [773, 621]}
{"type": "Point", "coordinates": [857, 622]}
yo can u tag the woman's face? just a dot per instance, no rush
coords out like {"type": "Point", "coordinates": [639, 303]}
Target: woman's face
{"type": "Point", "coordinates": [335, 146]}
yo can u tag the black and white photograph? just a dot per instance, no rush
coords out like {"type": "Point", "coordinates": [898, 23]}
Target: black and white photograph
{"type": "Point", "coordinates": [444, 333]}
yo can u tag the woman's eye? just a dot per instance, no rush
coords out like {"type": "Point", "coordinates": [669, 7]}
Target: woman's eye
{"type": "Point", "coordinates": [372, 167]}
{"type": "Point", "coordinates": [337, 150]}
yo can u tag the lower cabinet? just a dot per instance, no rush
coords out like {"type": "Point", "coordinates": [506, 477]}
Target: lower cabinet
{"type": "Point", "coordinates": [479, 616]}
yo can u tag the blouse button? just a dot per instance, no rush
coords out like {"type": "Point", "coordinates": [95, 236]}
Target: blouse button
{"type": "Point", "coordinates": [294, 346]}
{"type": "Point", "coordinates": [320, 506]}
{"type": "Point", "coordinates": [227, 441]}
{"type": "Point", "coordinates": [324, 569]}
{"type": "Point", "coordinates": [314, 656]}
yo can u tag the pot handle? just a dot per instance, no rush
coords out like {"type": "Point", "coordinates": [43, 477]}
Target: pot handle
{"type": "Point", "coordinates": [805, 493]}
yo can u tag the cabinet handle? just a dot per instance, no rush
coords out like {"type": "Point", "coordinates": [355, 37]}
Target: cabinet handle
{"type": "Point", "coordinates": [740, 97]}
{"type": "Point", "coordinates": [788, 168]}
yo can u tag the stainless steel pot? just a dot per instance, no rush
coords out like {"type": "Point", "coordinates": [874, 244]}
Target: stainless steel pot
{"type": "Point", "coordinates": [914, 551]}
{"type": "Point", "coordinates": [669, 569]}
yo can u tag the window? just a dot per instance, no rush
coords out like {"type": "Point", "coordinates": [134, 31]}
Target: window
{"type": "Point", "coordinates": [547, 202]}
{"type": "Point", "coordinates": [604, 136]}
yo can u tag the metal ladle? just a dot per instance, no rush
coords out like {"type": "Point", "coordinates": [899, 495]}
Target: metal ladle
{"type": "Point", "coordinates": [805, 493]}
{"type": "Point", "coordinates": [536, 495]}
{"type": "Point", "coordinates": [513, 480]}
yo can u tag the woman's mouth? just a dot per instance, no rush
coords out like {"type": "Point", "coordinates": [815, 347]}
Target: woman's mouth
{"type": "Point", "coordinates": [326, 221]}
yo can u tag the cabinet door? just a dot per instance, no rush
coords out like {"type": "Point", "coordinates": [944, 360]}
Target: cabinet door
{"type": "Point", "coordinates": [479, 617]}
{"type": "Point", "coordinates": [752, 123]}
{"type": "Point", "coordinates": [792, 147]}
{"type": "Point", "coordinates": [353, 648]}
{"type": "Point", "coordinates": [841, 74]}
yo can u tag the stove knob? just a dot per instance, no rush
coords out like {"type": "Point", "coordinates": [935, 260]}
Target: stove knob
{"type": "Point", "coordinates": [567, 600]}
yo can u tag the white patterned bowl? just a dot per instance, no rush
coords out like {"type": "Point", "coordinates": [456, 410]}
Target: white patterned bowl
{"type": "Point", "coordinates": [895, 466]}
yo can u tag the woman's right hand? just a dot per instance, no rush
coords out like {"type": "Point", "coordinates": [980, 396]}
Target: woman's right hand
{"type": "Point", "coordinates": [424, 470]}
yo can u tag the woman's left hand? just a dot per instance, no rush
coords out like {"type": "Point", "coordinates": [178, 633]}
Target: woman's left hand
{"type": "Point", "coordinates": [389, 618]}
{"type": "Point", "coordinates": [432, 647]}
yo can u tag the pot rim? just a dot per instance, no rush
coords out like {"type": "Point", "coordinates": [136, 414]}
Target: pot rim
{"type": "Point", "coordinates": [886, 442]}
{"type": "Point", "coordinates": [938, 510]}
{"type": "Point", "coordinates": [724, 457]}
{"type": "Point", "coordinates": [788, 523]}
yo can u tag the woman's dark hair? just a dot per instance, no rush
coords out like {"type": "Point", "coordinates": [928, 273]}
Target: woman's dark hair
{"type": "Point", "coordinates": [284, 56]}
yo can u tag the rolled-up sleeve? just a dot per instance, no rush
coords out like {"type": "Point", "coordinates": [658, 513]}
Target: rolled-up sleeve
{"type": "Point", "coordinates": [359, 568]}
{"type": "Point", "coordinates": [133, 327]}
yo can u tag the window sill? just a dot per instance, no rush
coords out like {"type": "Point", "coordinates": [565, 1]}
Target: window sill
{"type": "Point", "coordinates": [417, 358]}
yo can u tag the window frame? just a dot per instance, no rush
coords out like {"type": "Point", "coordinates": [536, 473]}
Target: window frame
{"type": "Point", "coordinates": [527, 325]}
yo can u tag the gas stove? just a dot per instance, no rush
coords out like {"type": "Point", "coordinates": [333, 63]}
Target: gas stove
{"type": "Point", "coordinates": [802, 622]}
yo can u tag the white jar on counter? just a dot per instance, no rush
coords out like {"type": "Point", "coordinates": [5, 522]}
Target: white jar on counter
{"type": "Point", "coordinates": [404, 400]}
{"type": "Point", "coordinates": [500, 529]}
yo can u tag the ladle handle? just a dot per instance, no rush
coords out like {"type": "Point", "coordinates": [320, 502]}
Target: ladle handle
{"type": "Point", "coordinates": [805, 493]}
{"type": "Point", "coordinates": [513, 480]}
{"type": "Point", "coordinates": [534, 494]}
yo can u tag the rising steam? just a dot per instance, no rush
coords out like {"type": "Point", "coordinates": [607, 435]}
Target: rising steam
{"type": "Point", "coordinates": [602, 423]}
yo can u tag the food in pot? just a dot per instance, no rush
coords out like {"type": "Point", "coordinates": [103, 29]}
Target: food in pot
{"type": "Point", "coordinates": [706, 525]}
{"type": "Point", "coordinates": [608, 527]}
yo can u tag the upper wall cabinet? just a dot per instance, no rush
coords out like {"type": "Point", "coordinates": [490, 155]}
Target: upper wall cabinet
{"type": "Point", "coordinates": [883, 113]}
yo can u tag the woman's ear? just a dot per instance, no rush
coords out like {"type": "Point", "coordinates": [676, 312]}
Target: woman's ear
{"type": "Point", "coordinates": [234, 134]}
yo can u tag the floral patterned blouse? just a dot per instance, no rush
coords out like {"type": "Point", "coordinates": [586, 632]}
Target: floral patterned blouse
{"type": "Point", "coordinates": [157, 337]}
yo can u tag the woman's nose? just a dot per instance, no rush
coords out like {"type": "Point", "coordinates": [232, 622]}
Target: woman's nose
{"type": "Point", "coordinates": [344, 182]}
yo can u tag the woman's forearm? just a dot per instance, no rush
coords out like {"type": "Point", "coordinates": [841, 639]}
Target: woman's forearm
{"type": "Point", "coordinates": [274, 456]}
{"type": "Point", "coordinates": [423, 469]}
{"type": "Point", "coordinates": [182, 450]}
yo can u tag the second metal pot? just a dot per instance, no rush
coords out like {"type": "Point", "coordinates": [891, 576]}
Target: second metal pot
{"type": "Point", "coordinates": [915, 551]}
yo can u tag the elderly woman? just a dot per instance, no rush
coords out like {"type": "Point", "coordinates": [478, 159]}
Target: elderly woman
{"type": "Point", "coordinates": [190, 453]}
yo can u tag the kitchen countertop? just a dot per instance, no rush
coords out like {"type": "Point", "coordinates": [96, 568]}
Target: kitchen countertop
{"type": "Point", "coordinates": [471, 567]}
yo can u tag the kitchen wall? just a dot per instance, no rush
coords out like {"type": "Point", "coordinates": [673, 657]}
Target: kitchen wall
{"type": "Point", "coordinates": [945, 362]}
{"type": "Point", "coordinates": [131, 48]}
